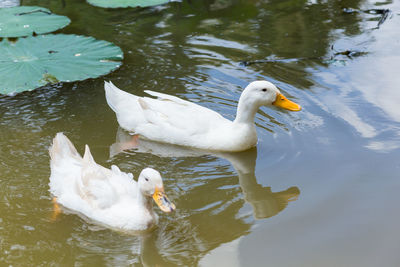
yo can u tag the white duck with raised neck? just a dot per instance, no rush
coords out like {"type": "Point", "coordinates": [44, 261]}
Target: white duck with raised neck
{"type": "Point", "coordinates": [170, 119]}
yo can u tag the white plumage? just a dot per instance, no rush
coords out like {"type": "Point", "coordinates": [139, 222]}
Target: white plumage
{"type": "Point", "coordinates": [169, 119]}
{"type": "Point", "coordinates": [109, 197]}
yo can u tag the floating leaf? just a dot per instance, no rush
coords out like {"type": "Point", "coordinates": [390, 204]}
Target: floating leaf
{"type": "Point", "coordinates": [32, 62]}
{"type": "Point", "coordinates": [126, 3]}
{"type": "Point", "coordinates": [25, 20]}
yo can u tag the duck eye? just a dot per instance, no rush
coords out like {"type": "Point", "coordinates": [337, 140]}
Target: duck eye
{"type": "Point", "coordinates": [264, 90]}
{"type": "Point", "coordinates": [146, 179]}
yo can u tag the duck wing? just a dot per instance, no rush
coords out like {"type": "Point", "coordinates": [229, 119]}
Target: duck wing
{"type": "Point", "coordinates": [101, 187]}
{"type": "Point", "coordinates": [165, 118]}
{"type": "Point", "coordinates": [176, 117]}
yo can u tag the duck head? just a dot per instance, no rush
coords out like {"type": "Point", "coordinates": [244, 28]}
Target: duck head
{"type": "Point", "coordinates": [151, 185]}
{"type": "Point", "coordinates": [257, 94]}
{"type": "Point", "coordinates": [264, 93]}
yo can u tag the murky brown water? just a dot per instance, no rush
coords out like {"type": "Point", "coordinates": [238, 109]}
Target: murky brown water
{"type": "Point", "coordinates": [321, 189]}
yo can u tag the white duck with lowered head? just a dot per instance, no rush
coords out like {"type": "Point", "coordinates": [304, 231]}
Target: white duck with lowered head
{"type": "Point", "coordinates": [169, 119]}
{"type": "Point", "coordinates": [109, 197]}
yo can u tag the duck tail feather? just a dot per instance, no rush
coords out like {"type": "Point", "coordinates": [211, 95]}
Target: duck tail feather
{"type": "Point", "coordinates": [62, 147]}
{"type": "Point", "coordinates": [114, 95]}
{"type": "Point", "coordinates": [87, 157]}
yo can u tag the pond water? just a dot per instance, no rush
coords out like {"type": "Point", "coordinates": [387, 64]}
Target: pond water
{"type": "Point", "coordinates": [320, 189]}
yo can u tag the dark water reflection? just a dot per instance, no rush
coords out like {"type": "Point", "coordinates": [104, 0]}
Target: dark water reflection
{"type": "Point", "coordinates": [319, 190]}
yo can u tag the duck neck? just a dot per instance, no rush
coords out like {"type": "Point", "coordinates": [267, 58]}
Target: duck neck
{"type": "Point", "coordinates": [145, 201]}
{"type": "Point", "coordinates": [246, 111]}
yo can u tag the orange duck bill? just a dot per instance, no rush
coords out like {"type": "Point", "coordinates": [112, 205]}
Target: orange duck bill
{"type": "Point", "coordinates": [282, 102]}
{"type": "Point", "coordinates": [162, 200]}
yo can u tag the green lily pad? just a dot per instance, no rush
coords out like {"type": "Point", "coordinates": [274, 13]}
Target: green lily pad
{"type": "Point", "coordinates": [32, 62]}
{"type": "Point", "coordinates": [25, 20]}
{"type": "Point", "coordinates": [126, 3]}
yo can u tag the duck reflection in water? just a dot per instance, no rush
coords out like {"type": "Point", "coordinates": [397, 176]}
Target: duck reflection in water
{"type": "Point", "coordinates": [264, 202]}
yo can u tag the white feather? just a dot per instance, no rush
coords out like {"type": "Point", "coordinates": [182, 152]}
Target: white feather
{"type": "Point", "coordinates": [110, 197]}
{"type": "Point", "coordinates": [169, 119]}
